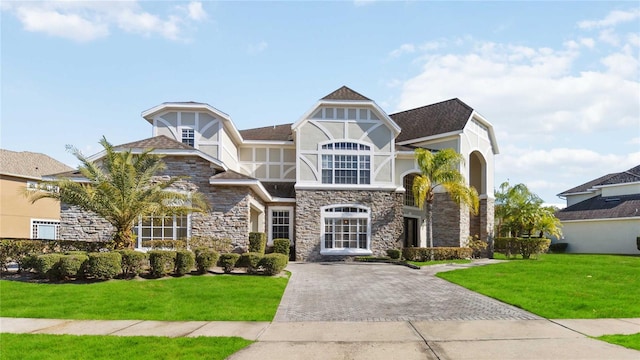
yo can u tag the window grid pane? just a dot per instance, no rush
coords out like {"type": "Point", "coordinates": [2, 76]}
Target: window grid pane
{"type": "Point", "coordinates": [346, 168]}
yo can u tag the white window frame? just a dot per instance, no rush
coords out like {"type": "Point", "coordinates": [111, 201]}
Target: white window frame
{"type": "Point", "coordinates": [36, 222]}
{"type": "Point", "coordinates": [273, 209]}
{"type": "Point", "coordinates": [362, 156]}
{"type": "Point", "coordinates": [191, 138]}
{"type": "Point", "coordinates": [174, 217]}
{"type": "Point", "coordinates": [324, 214]}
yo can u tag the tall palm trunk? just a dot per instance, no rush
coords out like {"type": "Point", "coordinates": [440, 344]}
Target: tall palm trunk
{"type": "Point", "coordinates": [430, 227]}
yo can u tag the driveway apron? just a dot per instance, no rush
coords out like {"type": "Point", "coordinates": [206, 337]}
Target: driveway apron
{"type": "Point", "coordinates": [383, 292]}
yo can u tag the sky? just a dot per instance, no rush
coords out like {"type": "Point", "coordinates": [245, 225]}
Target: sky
{"type": "Point", "coordinates": [559, 81]}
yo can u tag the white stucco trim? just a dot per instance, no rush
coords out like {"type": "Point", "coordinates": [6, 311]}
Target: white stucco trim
{"type": "Point", "coordinates": [492, 136]}
{"type": "Point", "coordinates": [451, 134]}
{"type": "Point", "coordinates": [603, 219]}
{"type": "Point", "coordinates": [345, 215]}
{"type": "Point", "coordinates": [254, 185]}
{"type": "Point", "coordinates": [315, 186]}
{"type": "Point", "coordinates": [268, 142]}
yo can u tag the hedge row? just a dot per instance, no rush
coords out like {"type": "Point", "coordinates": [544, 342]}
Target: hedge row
{"type": "Point", "coordinates": [526, 247]}
{"type": "Point", "coordinates": [438, 253]}
{"type": "Point", "coordinates": [18, 250]}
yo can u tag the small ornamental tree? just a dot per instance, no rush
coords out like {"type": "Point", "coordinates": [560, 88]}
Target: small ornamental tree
{"type": "Point", "coordinates": [120, 188]}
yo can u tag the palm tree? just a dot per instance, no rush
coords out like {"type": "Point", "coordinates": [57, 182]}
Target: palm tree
{"type": "Point", "coordinates": [440, 169]}
{"type": "Point", "coordinates": [122, 187]}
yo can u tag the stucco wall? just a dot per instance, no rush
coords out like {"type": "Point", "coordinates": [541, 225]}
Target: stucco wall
{"type": "Point", "coordinates": [602, 236]}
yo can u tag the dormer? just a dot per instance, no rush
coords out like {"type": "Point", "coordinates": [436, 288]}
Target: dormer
{"type": "Point", "coordinates": [345, 141]}
{"type": "Point", "coordinates": [198, 125]}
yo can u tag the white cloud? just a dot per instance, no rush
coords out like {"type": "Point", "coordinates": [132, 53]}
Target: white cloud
{"type": "Point", "coordinates": [89, 20]}
{"type": "Point", "coordinates": [612, 19]}
{"type": "Point", "coordinates": [403, 49]}
{"type": "Point", "coordinates": [257, 48]}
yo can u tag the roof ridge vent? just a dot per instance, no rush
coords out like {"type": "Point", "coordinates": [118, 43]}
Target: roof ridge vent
{"type": "Point", "coordinates": [610, 199]}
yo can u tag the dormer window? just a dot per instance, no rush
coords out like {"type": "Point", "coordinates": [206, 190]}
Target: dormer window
{"type": "Point", "coordinates": [346, 163]}
{"type": "Point", "coordinates": [188, 137]}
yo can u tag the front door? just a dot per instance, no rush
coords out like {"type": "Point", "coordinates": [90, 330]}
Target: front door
{"type": "Point", "coordinates": [410, 232]}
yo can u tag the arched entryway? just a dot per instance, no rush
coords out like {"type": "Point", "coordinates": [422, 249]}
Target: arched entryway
{"type": "Point", "coordinates": [478, 180]}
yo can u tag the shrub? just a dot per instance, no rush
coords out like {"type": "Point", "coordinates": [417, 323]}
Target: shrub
{"type": "Point", "coordinates": [161, 262]}
{"type": "Point", "coordinates": [165, 244]}
{"type": "Point", "coordinates": [257, 242]}
{"type": "Point", "coordinates": [219, 245]}
{"type": "Point", "coordinates": [228, 261]}
{"type": "Point", "coordinates": [439, 253]}
{"type": "Point", "coordinates": [205, 259]}
{"type": "Point", "coordinates": [69, 266]}
{"type": "Point", "coordinates": [478, 246]}
{"type": "Point", "coordinates": [282, 246]}
{"type": "Point", "coordinates": [133, 262]}
{"type": "Point", "coordinates": [558, 247]}
{"type": "Point", "coordinates": [274, 263]}
{"type": "Point", "coordinates": [394, 254]}
{"type": "Point", "coordinates": [103, 265]}
{"type": "Point", "coordinates": [523, 246]}
{"type": "Point", "coordinates": [184, 262]}
{"type": "Point", "coordinates": [45, 265]}
{"type": "Point", "coordinates": [18, 250]}
{"type": "Point", "coordinates": [251, 261]}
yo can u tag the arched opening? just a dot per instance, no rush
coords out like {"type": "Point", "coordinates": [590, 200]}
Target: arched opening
{"type": "Point", "coordinates": [412, 214]}
{"type": "Point", "coordinates": [478, 180]}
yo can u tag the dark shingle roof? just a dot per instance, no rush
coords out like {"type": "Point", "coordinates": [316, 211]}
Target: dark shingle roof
{"type": "Point", "coordinates": [439, 118]}
{"type": "Point", "coordinates": [275, 132]}
{"type": "Point", "coordinates": [29, 164]}
{"type": "Point", "coordinates": [280, 189]}
{"type": "Point", "coordinates": [631, 175]}
{"type": "Point", "coordinates": [157, 142]}
{"type": "Point", "coordinates": [345, 93]}
{"type": "Point", "coordinates": [231, 175]}
{"type": "Point", "coordinates": [599, 207]}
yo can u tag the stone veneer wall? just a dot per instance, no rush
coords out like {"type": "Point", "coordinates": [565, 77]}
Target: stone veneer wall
{"type": "Point", "coordinates": [450, 222]}
{"type": "Point", "coordinates": [228, 217]}
{"type": "Point", "coordinates": [386, 219]}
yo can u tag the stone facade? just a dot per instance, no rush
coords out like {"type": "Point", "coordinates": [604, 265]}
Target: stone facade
{"type": "Point", "coordinates": [450, 222]}
{"type": "Point", "coordinates": [386, 219]}
{"type": "Point", "coordinates": [81, 225]}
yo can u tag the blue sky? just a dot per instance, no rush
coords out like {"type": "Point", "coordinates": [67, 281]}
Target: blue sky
{"type": "Point", "coordinates": [560, 81]}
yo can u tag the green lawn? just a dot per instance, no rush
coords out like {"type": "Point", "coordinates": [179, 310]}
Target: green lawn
{"type": "Point", "coordinates": [205, 298]}
{"type": "Point", "coordinates": [53, 347]}
{"type": "Point", "coordinates": [628, 341]}
{"type": "Point", "coordinates": [561, 286]}
{"type": "Point", "coordinates": [439, 262]}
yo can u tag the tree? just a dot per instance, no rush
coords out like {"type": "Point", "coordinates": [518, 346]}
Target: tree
{"type": "Point", "coordinates": [440, 169]}
{"type": "Point", "coordinates": [520, 213]}
{"type": "Point", "coordinates": [121, 187]}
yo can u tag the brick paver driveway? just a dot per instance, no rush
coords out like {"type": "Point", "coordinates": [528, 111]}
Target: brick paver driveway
{"type": "Point", "coordinates": [382, 292]}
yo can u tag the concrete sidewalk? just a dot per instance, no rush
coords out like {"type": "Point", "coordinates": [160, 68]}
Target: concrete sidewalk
{"type": "Point", "coordinates": [455, 340]}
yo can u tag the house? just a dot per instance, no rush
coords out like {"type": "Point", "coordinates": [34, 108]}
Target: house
{"type": "Point", "coordinates": [603, 215]}
{"type": "Point", "coordinates": [334, 181]}
{"type": "Point", "coordinates": [18, 217]}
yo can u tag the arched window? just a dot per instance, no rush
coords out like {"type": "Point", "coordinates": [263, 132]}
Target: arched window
{"type": "Point", "coordinates": [346, 163]}
{"type": "Point", "coordinates": [346, 229]}
{"type": "Point", "coordinates": [407, 183]}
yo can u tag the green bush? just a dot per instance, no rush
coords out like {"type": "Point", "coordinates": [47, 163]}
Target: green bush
{"type": "Point", "coordinates": [165, 244]}
{"type": "Point", "coordinates": [274, 263]}
{"type": "Point", "coordinates": [219, 245]}
{"type": "Point", "coordinates": [161, 262]}
{"type": "Point", "coordinates": [205, 259]}
{"type": "Point", "coordinates": [70, 266]}
{"type": "Point", "coordinates": [558, 247]}
{"type": "Point", "coordinates": [251, 261]}
{"type": "Point", "coordinates": [228, 261]}
{"type": "Point", "coordinates": [478, 246]}
{"type": "Point", "coordinates": [526, 247]}
{"type": "Point", "coordinates": [45, 265]}
{"type": "Point", "coordinates": [133, 262]}
{"type": "Point", "coordinates": [281, 246]}
{"type": "Point", "coordinates": [103, 265]}
{"type": "Point", "coordinates": [184, 262]}
{"type": "Point", "coordinates": [18, 250]}
{"type": "Point", "coordinates": [394, 254]}
{"type": "Point", "coordinates": [439, 253]}
{"type": "Point", "coordinates": [257, 242]}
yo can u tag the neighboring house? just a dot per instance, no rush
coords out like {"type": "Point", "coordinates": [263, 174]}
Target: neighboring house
{"type": "Point", "coordinates": [334, 182]}
{"type": "Point", "coordinates": [18, 217]}
{"type": "Point", "coordinates": [603, 215]}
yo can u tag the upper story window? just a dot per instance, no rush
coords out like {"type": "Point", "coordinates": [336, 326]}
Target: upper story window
{"type": "Point", "coordinates": [346, 163]}
{"type": "Point", "coordinates": [407, 183]}
{"type": "Point", "coordinates": [188, 137]}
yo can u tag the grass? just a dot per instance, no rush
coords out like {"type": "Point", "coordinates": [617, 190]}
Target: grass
{"type": "Point", "coordinates": [53, 347]}
{"type": "Point", "coordinates": [628, 341]}
{"type": "Point", "coordinates": [561, 286]}
{"type": "Point", "coordinates": [438, 262]}
{"type": "Point", "coordinates": [205, 298]}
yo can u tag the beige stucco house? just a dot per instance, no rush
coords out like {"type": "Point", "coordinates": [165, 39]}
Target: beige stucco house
{"type": "Point", "coordinates": [603, 215]}
{"type": "Point", "coordinates": [18, 217]}
{"type": "Point", "coordinates": [334, 181]}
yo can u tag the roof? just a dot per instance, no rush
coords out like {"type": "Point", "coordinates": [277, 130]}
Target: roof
{"type": "Point", "coordinates": [29, 164]}
{"type": "Point", "coordinates": [281, 189]}
{"type": "Point", "coordinates": [157, 142]}
{"type": "Point", "coordinates": [440, 118]}
{"type": "Point", "coordinates": [231, 175]}
{"type": "Point", "coordinates": [631, 175]}
{"type": "Point", "coordinates": [599, 207]}
{"type": "Point", "coordinates": [273, 133]}
{"type": "Point", "coordinates": [345, 93]}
